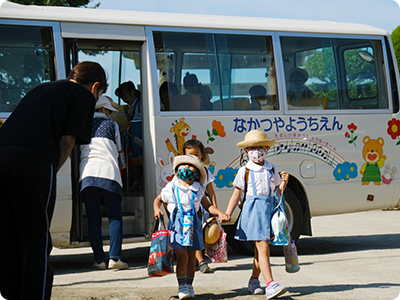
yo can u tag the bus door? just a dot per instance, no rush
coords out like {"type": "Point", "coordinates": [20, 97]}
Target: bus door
{"type": "Point", "coordinates": [121, 61]}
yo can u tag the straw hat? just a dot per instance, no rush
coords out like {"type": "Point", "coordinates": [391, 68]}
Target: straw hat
{"type": "Point", "coordinates": [194, 161]}
{"type": "Point", "coordinates": [255, 138]}
{"type": "Point", "coordinates": [211, 231]}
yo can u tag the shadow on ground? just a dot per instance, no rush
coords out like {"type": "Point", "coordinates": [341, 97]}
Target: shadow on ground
{"type": "Point", "coordinates": [138, 257]}
{"type": "Point", "coordinates": [340, 244]}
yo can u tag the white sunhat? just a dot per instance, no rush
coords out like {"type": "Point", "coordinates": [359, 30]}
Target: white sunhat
{"type": "Point", "coordinates": [104, 102]}
{"type": "Point", "coordinates": [191, 160]}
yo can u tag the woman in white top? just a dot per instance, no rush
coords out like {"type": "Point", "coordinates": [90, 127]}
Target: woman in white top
{"type": "Point", "coordinates": [100, 180]}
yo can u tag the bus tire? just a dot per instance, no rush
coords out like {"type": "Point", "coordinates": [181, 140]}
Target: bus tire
{"type": "Point", "coordinates": [294, 214]}
{"type": "Point", "coordinates": [230, 238]}
{"type": "Point", "coordinates": [244, 248]}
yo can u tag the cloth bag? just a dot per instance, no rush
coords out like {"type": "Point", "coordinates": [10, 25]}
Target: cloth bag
{"type": "Point", "coordinates": [161, 257]}
{"type": "Point", "coordinates": [218, 252]}
{"type": "Point", "coordinates": [279, 225]}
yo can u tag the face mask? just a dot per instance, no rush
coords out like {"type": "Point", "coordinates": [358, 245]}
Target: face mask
{"type": "Point", "coordinates": [257, 155]}
{"type": "Point", "coordinates": [186, 174]}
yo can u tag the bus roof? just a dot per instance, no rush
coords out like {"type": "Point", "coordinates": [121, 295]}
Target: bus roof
{"type": "Point", "coordinates": [9, 10]}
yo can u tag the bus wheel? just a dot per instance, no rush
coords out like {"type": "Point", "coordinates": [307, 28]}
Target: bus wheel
{"type": "Point", "coordinates": [232, 242]}
{"type": "Point", "coordinates": [245, 248]}
{"type": "Point", "coordinates": [294, 213]}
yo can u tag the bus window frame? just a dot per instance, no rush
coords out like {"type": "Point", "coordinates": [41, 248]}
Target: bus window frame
{"type": "Point", "coordinates": [58, 46]}
{"type": "Point", "coordinates": [283, 94]}
{"type": "Point", "coordinates": [393, 67]}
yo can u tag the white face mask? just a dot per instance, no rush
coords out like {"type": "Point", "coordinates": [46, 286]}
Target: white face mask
{"type": "Point", "coordinates": [257, 155]}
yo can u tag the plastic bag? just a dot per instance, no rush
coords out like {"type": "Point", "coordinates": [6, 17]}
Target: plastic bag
{"type": "Point", "coordinates": [279, 226]}
{"type": "Point", "coordinates": [161, 257]}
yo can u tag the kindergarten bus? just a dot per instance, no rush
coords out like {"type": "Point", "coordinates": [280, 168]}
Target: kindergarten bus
{"type": "Point", "coordinates": [326, 92]}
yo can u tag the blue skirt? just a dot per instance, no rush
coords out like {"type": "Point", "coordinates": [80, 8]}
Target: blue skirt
{"type": "Point", "coordinates": [255, 219]}
{"type": "Point", "coordinates": [176, 226]}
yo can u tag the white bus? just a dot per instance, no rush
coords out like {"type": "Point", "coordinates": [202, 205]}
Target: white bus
{"type": "Point", "coordinates": [337, 126]}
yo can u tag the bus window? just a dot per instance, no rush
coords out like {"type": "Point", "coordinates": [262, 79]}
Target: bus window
{"type": "Point", "coordinates": [26, 59]}
{"type": "Point", "coordinates": [310, 74]}
{"type": "Point", "coordinates": [325, 73]}
{"type": "Point", "coordinates": [365, 80]}
{"type": "Point", "coordinates": [121, 60]}
{"type": "Point", "coordinates": [216, 71]}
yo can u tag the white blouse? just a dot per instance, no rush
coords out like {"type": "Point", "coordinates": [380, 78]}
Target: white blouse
{"type": "Point", "coordinates": [185, 194]}
{"type": "Point", "coordinates": [261, 176]}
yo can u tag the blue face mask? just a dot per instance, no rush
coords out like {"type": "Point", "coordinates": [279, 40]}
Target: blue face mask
{"type": "Point", "coordinates": [186, 174]}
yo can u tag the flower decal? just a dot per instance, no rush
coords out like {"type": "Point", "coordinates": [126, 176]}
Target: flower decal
{"type": "Point", "coordinates": [394, 129]}
{"type": "Point", "coordinates": [217, 130]}
{"type": "Point", "coordinates": [345, 171]}
{"type": "Point", "coordinates": [350, 135]}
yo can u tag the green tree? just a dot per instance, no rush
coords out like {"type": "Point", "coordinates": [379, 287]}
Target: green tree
{"type": "Point", "coordinates": [321, 66]}
{"type": "Point", "coordinates": [395, 36]}
{"type": "Point", "coordinates": [358, 72]}
{"type": "Point", "coordinates": [71, 3]}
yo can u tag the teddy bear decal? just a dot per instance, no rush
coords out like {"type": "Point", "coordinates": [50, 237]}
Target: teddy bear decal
{"type": "Point", "coordinates": [374, 160]}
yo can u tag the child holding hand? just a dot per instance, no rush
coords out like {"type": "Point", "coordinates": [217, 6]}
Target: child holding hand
{"type": "Point", "coordinates": [183, 198]}
{"type": "Point", "coordinates": [255, 218]}
{"type": "Point", "coordinates": [196, 148]}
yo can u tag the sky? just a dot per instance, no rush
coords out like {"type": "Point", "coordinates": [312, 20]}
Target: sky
{"type": "Point", "coordinates": [383, 14]}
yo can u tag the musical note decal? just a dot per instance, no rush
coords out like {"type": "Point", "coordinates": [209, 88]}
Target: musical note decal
{"type": "Point", "coordinates": [318, 150]}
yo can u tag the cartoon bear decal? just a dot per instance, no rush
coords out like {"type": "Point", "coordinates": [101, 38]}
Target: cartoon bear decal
{"type": "Point", "coordinates": [374, 160]}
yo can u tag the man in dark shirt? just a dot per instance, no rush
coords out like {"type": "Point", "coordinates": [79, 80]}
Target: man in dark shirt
{"type": "Point", "coordinates": [35, 141]}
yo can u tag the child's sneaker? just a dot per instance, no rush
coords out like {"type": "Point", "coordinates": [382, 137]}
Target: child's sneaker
{"type": "Point", "coordinates": [190, 290]}
{"type": "Point", "coordinates": [255, 287]}
{"type": "Point", "coordinates": [274, 289]}
{"type": "Point", "coordinates": [204, 268]}
{"type": "Point", "coordinates": [183, 291]}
